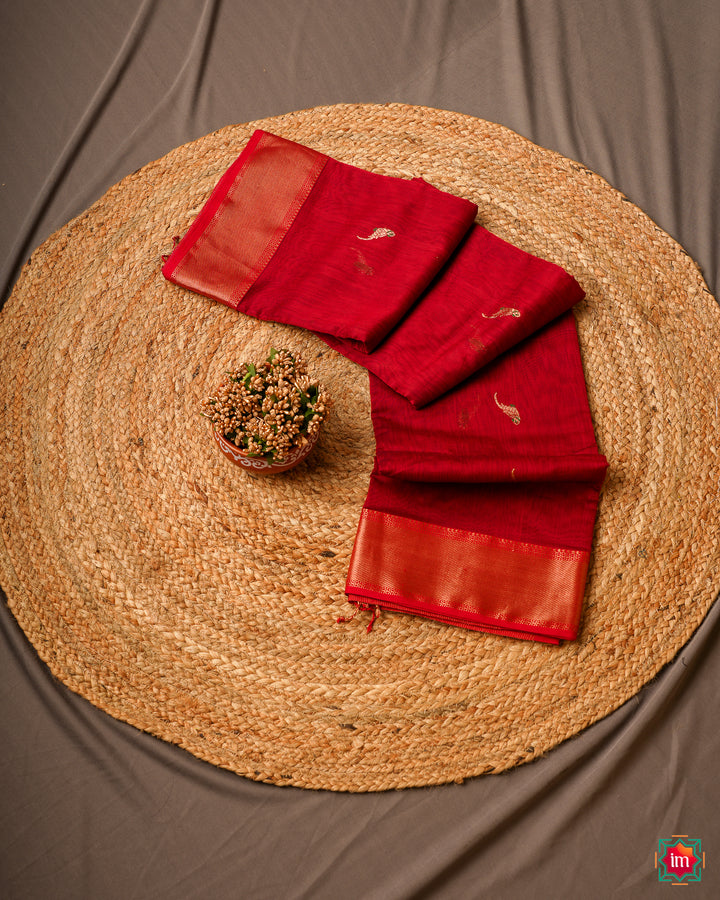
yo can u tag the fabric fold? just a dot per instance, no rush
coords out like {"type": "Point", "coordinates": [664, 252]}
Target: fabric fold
{"type": "Point", "coordinates": [489, 296]}
{"type": "Point", "coordinates": [525, 417]}
{"type": "Point", "coordinates": [290, 235]}
{"type": "Point", "coordinates": [481, 507]}
{"type": "Point", "coordinates": [481, 512]}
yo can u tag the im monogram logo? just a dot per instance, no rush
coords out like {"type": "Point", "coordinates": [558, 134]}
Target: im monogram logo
{"type": "Point", "coordinates": [680, 860]}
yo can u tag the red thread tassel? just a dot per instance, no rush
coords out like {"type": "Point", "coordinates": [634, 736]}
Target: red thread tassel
{"type": "Point", "coordinates": [362, 607]}
{"type": "Point", "coordinates": [375, 617]}
{"type": "Point", "coordinates": [346, 618]}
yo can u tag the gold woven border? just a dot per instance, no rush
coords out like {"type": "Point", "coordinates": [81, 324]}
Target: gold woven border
{"type": "Point", "coordinates": [178, 594]}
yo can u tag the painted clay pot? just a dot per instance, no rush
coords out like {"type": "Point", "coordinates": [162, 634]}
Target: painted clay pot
{"type": "Point", "coordinates": [257, 466]}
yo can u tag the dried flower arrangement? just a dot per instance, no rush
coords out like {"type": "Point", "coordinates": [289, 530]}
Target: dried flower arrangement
{"type": "Point", "coordinates": [269, 410]}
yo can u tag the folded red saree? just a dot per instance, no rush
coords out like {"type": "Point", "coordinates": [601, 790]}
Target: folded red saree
{"type": "Point", "coordinates": [290, 235]}
{"type": "Point", "coordinates": [482, 503]}
{"type": "Point", "coordinates": [488, 297]}
{"type": "Point", "coordinates": [481, 507]}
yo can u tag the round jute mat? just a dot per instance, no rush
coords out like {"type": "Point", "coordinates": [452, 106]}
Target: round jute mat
{"type": "Point", "coordinates": [182, 595]}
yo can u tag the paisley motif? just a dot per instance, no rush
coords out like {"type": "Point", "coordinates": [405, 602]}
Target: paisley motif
{"type": "Point", "coordinates": [504, 311]}
{"type": "Point", "coordinates": [509, 410]}
{"type": "Point", "coordinates": [378, 233]}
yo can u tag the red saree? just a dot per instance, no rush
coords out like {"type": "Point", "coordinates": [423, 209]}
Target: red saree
{"type": "Point", "coordinates": [482, 503]}
{"type": "Point", "coordinates": [290, 235]}
{"type": "Point", "coordinates": [481, 507]}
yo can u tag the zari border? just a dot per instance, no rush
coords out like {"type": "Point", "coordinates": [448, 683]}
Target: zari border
{"type": "Point", "coordinates": [466, 578]}
{"type": "Point", "coordinates": [245, 218]}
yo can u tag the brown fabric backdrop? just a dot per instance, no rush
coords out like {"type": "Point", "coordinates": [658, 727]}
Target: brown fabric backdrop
{"type": "Point", "coordinates": [91, 91]}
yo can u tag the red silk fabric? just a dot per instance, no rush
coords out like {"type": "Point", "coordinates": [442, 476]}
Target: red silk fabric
{"type": "Point", "coordinates": [488, 297]}
{"type": "Point", "coordinates": [488, 496]}
{"type": "Point", "coordinates": [290, 235]}
{"type": "Point", "coordinates": [482, 503]}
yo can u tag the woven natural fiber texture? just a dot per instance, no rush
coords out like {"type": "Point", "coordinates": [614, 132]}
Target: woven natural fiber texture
{"type": "Point", "coordinates": [180, 594]}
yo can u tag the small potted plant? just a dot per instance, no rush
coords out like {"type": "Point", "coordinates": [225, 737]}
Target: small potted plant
{"type": "Point", "coordinates": [267, 417]}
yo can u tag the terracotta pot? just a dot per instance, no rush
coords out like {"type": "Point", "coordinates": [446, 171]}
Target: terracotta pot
{"type": "Point", "coordinates": [257, 466]}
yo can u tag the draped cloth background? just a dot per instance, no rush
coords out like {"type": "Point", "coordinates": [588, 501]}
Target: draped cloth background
{"type": "Point", "coordinates": [494, 529]}
{"type": "Point", "coordinates": [90, 807]}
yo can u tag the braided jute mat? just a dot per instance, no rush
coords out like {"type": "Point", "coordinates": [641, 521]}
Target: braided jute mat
{"type": "Point", "coordinates": [180, 594]}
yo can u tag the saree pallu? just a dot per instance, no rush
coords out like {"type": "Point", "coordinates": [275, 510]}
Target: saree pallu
{"type": "Point", "coordinates": [481, 506]}
{"type": "Point", "coordinates": [482, 503]}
